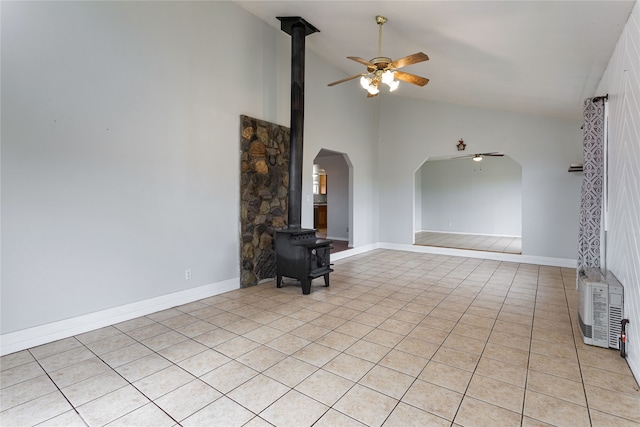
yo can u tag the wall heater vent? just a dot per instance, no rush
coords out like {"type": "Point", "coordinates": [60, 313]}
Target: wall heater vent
{"type": "Point", "coordinates": [600, 308]}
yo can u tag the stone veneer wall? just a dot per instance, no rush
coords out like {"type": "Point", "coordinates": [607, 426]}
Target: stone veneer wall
{"type": "Point", "coordinates": [264, 180]}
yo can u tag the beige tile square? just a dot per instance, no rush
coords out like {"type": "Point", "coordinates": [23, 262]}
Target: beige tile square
{"type": "Point", "coordinates": [258, 393]}
{"type": "Point", "coordinates": [242, 326]}
{"type": "Point", "coordinates": [397, 326]}
{"type": "Point", "coordinates": [15, 359]}
{"type": "Point", "coordinates": [502, 371]}
{"type": "Point", "coordinates": [215, 337]}
{"type": "Point", "coordinates": [354, 329]}
{"type": "Point", "coordinates": [279, 414]}
{"type": "Point", "coordinates": [183, 350]}
{"type": "Point", "coordinates": [350, 367]}
{"type": "Point", "coordinates": [336, 341]}
{"type": "Point", "coordinates": [365, 405]}
{"type": "Point", "coordinates": [310, 331]}
{"type": "Point", "coordinates": [111, 406]}
{"type": "Point", "coordinates": [46, 350]}
{"type": "Point", "coordinates": [435, 336]}
{"type": "Point", "coordinates": [382, 337]}
{"type": "Point", "coordinates": [601, 419]}
{"type": "Point", "coordinates": [263, 334]}
{"type": "Point", "coordinates": [149, 415]}
{"type": "Point", "coordinates": [36, 410]}
{"type": "Point", "coordinates": [137, 323]}
{"type": "Point", "coordinates": [555, 366]}
{"type": "Point", "coordinates": [164, 381]}
{"type": "Point", "coordinates": [151, 330]}
{"type": "Point", "coordinates": [222, 412]}
{"type": "Point", "coordinates": [328, 321]}
{"type": "Point", "coordinates": [98, 334]}
{"type": "Point", "coordinates": [164, 340]}
{"type": "Point", "coordinates": [623, 383]}
{"type": "Point", "coordinates": [63, 359]}
{"type": "Point", "coordinates": [94, 387]}
{"type": "Point", "coordinates": [324, 387]}
{"type": "Point", "coordinates": [288, 343]}
{"type": "Point", "coordinates": [316, 354]}
{"type": "Point", "coordinates": [261, 358]}
{"type": "Point", "coordinates": [236, 347]}
{"type": "Point", "coordinates": [290, 371]}
{"type": "Point", "coordinates": [512, 328]}
{"type": "Point", "coordinates": [333, 418]}
{"type": "Point", "coordinates": [25, 391]}
{"type": "Point", "coordinates": [437, 400]}
{"type": "Point", "coordinates": [510, 340]}
{"type": "Point", "coordinates": [187, 399]}
{"type": "Point", "coordinates": [125, 355]}
{"type": "Point", "coordinates": [204, 362]}
{"type": "Point", "coordinates": [409, 416]}
{"type": "Point", "coordinates": [497, 393]}
{"type": "Point", "coordinates": [368, 351]}
{"type": "Point", "coordinates": [387, 381]}
{"type": "Point", "coordinates": [446, 376]}
{"type": "Point", "coordinates": [562, 351]}
{"type": "Point", "coordinates": [558, 387]}
{"type": "Point", "coordinates": [78, 372]}
{"type": "Point", "coordinates": [554, 411]}
{"type": "Point", "coordinates": [472, 331]}
{"type": "Point", "coordinates": [475, 413]}
{"type": "Point", "coordinates": [510, 355]}
{"type": "Point", "coordinates": [438, 323]}
{"type": "Point", "coordinates": [229, 376]}
{"type": "Point", "coordinates": [111, 343]}
{"type": "Point", "coordinates": [466, 344]}
{"type": "Point", "coordinates": [159, 316]}
{"type": "Point", "coordinates": [613, 403]}
{"type": "Point", "coordinates": [417, 347]}
{"type": "Point", "coordinates": [404, 362]}
{"type": "Point", "coordinates": [456, 358]}
{"type": "Point", "coordinates": [143, 367]}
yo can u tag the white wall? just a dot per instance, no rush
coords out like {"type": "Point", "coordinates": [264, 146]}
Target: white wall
{"type": "Point", "coordinates": [120, 148]}
{"type": "Point", "coordinates": [465, 196]}
{"type": "Point", "coordinates": [337, 196]}
{"type": "Point", "coordinates": [412, 131]}
{"type": "Point", "coordinates": [621, 81]}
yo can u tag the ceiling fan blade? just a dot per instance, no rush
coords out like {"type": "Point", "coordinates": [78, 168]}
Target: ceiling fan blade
{"type": "Point", "coordinates": [411, 78]}
{"type": "Point", "coordinates": [408, 60]}
{"type": "Point", "coordinates": [345, 80]}
{"type": "Point", "coordinates": [361, 61]}
{"type": "Point", "coordinates": [494, 154]}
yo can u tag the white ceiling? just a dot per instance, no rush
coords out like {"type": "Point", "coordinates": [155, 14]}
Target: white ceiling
{"type": "Point", "coordinates": [537, 57]}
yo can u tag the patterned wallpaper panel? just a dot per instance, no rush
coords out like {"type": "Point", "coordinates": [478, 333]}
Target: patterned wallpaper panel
{"type": "Point", "coordinates": [622, 82]}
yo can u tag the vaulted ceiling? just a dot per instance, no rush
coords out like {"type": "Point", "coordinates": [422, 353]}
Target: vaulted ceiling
{"type": "Point", "coordinates": [534, 57]}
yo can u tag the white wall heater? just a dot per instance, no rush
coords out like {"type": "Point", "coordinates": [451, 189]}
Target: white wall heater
{"type": "Point", "coordinates": [600, 308]}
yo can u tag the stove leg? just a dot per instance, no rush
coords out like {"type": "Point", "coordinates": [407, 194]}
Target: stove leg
{"type": "Point", "coordinates": [278, 281]}
{"type": "Point", "coordinates": [306, 286]}
{"type": "Point", "coordinates": [326, 280]}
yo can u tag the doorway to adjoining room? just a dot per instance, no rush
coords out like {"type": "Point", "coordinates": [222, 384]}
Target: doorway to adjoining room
{"type": "Point", "coordinates": [466, 204]}
{"type": "Point", "coordinates": [332, 209]}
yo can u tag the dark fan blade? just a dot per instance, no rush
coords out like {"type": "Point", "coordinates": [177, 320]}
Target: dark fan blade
{"type": "Point", "coordinates": [345, 80]}
{"type": "Point", "coordinates": [408, 60]}
{"type": "Point", "coordinates": [494, 154]}
{"type": "Point", "coordinates": [362, 61]}
{"type": "Point", "coordinates": [410, 78]}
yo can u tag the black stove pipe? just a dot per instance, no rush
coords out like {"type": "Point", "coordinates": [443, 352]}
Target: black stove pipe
{"type": "Point", "coordinates": [298, 29]}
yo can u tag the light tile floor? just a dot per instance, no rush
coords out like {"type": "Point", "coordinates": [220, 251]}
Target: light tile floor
{"type": "Point", "coordinates": [399, 339]}
{"type": "Point", "coordinates": [512, 245]}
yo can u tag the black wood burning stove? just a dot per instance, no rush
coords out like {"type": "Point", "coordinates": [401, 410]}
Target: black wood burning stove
{"type": "Point", "coordinates": [299, 254]}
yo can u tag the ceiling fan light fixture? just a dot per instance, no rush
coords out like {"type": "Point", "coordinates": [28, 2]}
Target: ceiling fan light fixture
{"type": "Point", "coordinates": [373, 89]}
{"type": "Point", "coordinates": [387, 77]}
{"type": "Point", "coordinates": [393, 85]}
{"type": "Point", "coordinates": [477, 158]}
{"type": "Point", "coordinates": [365, 82]}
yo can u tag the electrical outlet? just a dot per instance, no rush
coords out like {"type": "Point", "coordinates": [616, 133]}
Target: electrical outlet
{"type": "Point", "coordinates": [187, 274]}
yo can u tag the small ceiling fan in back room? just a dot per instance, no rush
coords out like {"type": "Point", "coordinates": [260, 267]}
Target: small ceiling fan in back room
{"type": "Point", "coordinates": [384, 70]}
{"type": "Point", "coordinates": [478, 156]}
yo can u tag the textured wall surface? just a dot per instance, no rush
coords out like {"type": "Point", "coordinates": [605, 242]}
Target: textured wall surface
{"type": "Point", "coordinates": [622, 82]}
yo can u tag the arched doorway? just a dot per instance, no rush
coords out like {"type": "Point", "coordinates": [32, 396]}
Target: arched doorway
{"type": "Point", "coordinates": [332, 197]}
{"type": "Point", "coordinates": [466, 204]}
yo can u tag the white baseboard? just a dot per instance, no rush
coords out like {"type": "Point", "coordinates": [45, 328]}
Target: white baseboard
{"type": "Point", "coordinates": [31, 337]}
{"type": "Point", "coordinates": [497, 256]}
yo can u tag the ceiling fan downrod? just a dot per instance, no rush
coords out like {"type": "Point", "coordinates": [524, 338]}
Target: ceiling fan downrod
{"type": "Point", "coordinates": [380, 20]}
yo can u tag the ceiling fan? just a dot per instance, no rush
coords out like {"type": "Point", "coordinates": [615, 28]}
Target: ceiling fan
{"type": "Point", "coordinates": [478, 156]}
{"type": "Point", "coordinates": [383, 70]}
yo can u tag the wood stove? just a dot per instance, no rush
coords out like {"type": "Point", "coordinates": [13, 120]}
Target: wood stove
{"type": "Point", "coordinates": [299, 254]}
{"type": "Point", "coordinates": [302, 256]}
